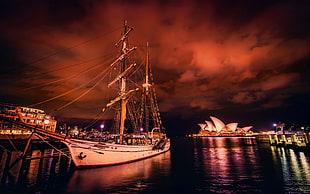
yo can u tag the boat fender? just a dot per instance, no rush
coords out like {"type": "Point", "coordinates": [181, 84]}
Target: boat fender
{"type": "Point", "coordinates": [81, 156]}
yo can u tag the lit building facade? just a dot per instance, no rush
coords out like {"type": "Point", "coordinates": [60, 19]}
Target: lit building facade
{"type": "Point", "coordinates": [30, 116]}
{"type": "Point", "coordinates": [217, 127]}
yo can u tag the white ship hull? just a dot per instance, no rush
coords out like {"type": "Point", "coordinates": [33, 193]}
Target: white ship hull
{"type": "Point", "coordinates": [90, 154]}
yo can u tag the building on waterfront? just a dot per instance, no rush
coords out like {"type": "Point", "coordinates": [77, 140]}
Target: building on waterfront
{"type": "Point", "coordinates": [31, 116]}
{"type": "Point", "coordinates": [216, 127]}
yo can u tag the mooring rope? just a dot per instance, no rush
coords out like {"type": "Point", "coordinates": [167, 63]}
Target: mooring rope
{"type": "Point", "coordinates": [52, 146]}
{"type": "Point", "coordinates": [4, 148]}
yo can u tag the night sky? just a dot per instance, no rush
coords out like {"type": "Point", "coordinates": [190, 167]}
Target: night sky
{"type": "Point", "coordinates": [241, 61]}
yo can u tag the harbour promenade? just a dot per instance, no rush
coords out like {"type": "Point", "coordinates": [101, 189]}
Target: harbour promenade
{"type": "Point", "coordinates": [295, 140]}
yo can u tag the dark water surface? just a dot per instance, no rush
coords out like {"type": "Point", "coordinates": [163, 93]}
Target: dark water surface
{"type": "Point", "coordinates": [201, 165]}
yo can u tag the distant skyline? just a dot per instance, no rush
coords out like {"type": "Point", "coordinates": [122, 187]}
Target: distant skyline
{"type": "Point", "coordinates": [241, 61]}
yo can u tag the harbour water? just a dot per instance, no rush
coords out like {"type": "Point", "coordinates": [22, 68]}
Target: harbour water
{"type": "Point", "coordinates": [193, 165]}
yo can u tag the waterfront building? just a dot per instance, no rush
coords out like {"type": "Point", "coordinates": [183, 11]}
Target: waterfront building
{"type": "Point", "coordinates": [216, 127]}
{"type": "Point", "coordinates": [30, 116]}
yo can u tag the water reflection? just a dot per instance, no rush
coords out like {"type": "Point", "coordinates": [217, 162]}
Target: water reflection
{"type": "Point", "coordinates": [225, 165]}
{"type": "Point", "coordinates": [237, 165]}
{"type": "Point", "coordinates": [229, 164]}
{"type": "Point", "coordinates": [128, 178]}
{"type": "Point", "coordinates": [193, 165]}
{"type": "Point", "coordinates": [295, 168]}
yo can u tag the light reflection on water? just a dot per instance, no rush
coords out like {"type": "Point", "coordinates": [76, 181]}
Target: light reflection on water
{"type": "Point", "coordinates": [230, 165]}
{"type": "Point", "coordinates": [223, 165]}
{"type": "Point", "coordinates": [295, 169]}
{"type": "Point", "coordinates": [201, 165]}
{"type": "Point", "coordinates": [129, 178]}
{"type": "Point", "coordinates": [204, 165]}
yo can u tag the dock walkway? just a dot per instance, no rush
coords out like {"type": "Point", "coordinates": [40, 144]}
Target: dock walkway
{"type": "Point", "coordinates": [289, 140]}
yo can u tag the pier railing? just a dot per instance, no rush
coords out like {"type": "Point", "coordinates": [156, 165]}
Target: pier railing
{"type": "Point", "coordinates": [299, 140]}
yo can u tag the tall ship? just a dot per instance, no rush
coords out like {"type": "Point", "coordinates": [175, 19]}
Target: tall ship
{"type": "Point", "coordinates": [137, 130]}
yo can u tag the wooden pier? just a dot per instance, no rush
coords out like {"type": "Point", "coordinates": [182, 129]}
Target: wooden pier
{"type": "Point", "coordinates": [35, 156]}
{"type": "Point", "coordinates": [40, 163]}
{"type": "Point", "coordinates": [289, 140]}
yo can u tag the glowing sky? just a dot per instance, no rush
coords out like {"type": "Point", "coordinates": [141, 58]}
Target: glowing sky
{"type": "Point", "coordinates": [241, 61]}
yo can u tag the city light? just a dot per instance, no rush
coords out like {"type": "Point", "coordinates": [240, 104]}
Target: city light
{"type": "Point", "coordinates": [102, 126]}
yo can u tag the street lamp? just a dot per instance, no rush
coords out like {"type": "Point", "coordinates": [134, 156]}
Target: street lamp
{"type": "Point", "coordinates": [101, 126]}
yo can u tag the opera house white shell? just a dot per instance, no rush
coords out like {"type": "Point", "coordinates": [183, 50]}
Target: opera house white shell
{"type": "Point", "coordinates": [216, 125]}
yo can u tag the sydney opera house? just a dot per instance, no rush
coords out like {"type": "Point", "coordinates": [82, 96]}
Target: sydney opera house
{"type": "Point", "coordinates": [216, 127]}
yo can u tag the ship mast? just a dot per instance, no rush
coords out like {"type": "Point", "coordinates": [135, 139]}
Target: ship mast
{"type": "Point", "coordinates": [123, 94]}
{"type": "Point", "coordinates": [123, 83]}
{"type": "Point", "coordinates": [146, 85]}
